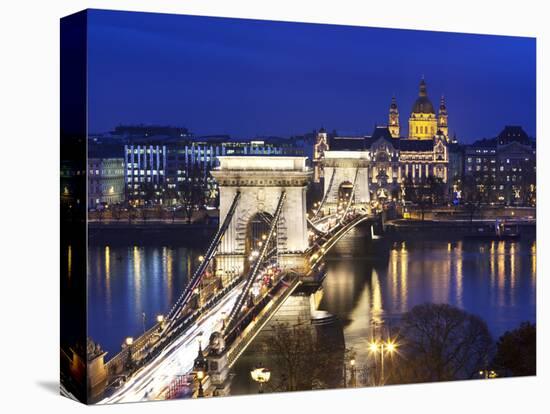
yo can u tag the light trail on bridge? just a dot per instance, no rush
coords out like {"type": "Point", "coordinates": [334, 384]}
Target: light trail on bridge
{"type": "Point", "coordinates": [153, 380]}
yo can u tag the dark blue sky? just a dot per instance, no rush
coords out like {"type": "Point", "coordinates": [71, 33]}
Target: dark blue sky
{"type": "Point", "coordinates": [248, 77]}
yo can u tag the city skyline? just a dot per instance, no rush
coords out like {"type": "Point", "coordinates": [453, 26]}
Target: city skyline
{"type": "Point", "coordinates": [210, 76]}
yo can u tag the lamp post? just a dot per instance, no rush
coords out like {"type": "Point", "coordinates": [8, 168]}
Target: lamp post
{"type": "Point", "coordinates": [160, 322]}
{"type": "Point", "coordinates": [487, 374]}
{"type": "Point", "coordinates": [128, 342]}
{"type": "Point", "coordinates": [352, 381]}
{"type": "Point", "coordinates": [200, 376]}
{"type": "Point", "coordinates": [260, 375]}
{"type": "Point", "coordinates": [352, 371]}
{"type": "Point", "coordinates": [200, 367]}
{"type": "Point", "coordinates": [384, 348]}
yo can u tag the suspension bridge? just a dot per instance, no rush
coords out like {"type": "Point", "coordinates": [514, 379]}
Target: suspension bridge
{"type": "Point", "coordinates": [265, 247]}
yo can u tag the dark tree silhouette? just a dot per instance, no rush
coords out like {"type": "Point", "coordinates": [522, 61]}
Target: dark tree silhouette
{"type": "Point", "coordinates": [191, 191]}
{"type": "Point", "coordinates": [516, 354]}
{"type": "Point", "coordinates": [440, 343]}
{"type": "Point", "coordinates": [116, 211]}
{"type": "Point", "coordinates": [301, 362]}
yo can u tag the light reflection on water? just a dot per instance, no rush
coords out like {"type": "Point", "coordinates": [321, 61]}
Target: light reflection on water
{"type": "Point", "coordinates": [365, 284]}
{"type": "Point", "coordinates": [126, 281]}
{"type": "Point", "coordinates": [378, 282]}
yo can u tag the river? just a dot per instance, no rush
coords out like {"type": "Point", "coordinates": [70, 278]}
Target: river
{"type": "Point", "coordinates": [367, 282]}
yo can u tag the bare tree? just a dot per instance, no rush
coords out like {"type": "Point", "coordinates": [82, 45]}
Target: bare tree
{"type": "Point", "coordinates": [191, 191]}
{"type": "Point", "coordinates": [440, 343]}
{"type": "Point", "coordinates": [302, 362]}
{"type": "Point", "coordinates": [116, 211]}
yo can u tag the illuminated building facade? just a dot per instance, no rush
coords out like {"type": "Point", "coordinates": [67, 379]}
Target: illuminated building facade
{"type": "Point", "coordinates": [105, 181]}
{"type": "Point", "coordinates": [145, 171]}
{"type": "Point", "coordinates": [396, 161]}
{"type": "Point", "coordinates": [502, 169]}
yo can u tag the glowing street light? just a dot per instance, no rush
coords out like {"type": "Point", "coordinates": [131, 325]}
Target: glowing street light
{"type": "Point", "coordinates": [487, 374]}
{"type": "Point", "coordinates": [201, 259]}
{"type": "Point", "coordinates": [260, 375]}
{"type": "Point", "coordinates": [388, 347]}
{"type": "Point", "coordinates": [352, 380]}
{"type": "Point", "coordinates": [129, 359]}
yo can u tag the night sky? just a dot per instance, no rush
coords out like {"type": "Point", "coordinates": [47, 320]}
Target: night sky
{"type": "Point", "coordinates": [249, 77]}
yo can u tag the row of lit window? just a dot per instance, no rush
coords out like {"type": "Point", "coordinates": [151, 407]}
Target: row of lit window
{"type": "Point", "coordinates": [143, 151]}
{"type": "Point", "coordinates": [143, 172]}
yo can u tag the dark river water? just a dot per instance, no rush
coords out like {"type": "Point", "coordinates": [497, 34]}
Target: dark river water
{"type": "Point", "coordinates": [367, 282]}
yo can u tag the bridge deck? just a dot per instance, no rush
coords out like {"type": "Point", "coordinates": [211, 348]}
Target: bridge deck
{"type": "Point", "coordinates": [177, 359]}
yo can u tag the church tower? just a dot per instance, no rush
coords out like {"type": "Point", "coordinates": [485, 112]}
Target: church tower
{"type": "Point", "coordinates": [422, 122]}
{"type": "Point", "coordinates": [393, 124]}
{"type": "Point", "coordinates": [442, 124]}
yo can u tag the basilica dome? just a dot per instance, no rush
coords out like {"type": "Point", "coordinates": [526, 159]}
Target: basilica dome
{"type": "Point", "coordinates": [423, 105]}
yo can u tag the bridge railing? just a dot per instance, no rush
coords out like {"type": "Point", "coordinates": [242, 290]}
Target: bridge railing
{"type": "Point", "coordinates": [117, 364]}
{"type": "Point", "coordinates": [256, 318]}
{"type": "Point", "coordinates": [316, 253]}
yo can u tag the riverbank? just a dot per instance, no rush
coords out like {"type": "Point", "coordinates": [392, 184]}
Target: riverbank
{"type": "Point", "coordinates": [151, 233]}
{"type": "Point", "coordinates": [451, 228]}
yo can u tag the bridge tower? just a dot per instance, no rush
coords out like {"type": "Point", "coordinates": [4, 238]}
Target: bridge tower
{"type": "Point", "coordinates": [346, 175]}
{"type": "Point", "coordinates": [261, 180]}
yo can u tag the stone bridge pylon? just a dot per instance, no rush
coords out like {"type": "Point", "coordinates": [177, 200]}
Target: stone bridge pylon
{"type": "Point", "coordinates": [260, 182]}
{"type": "Point", "coordinates": [346, 175]}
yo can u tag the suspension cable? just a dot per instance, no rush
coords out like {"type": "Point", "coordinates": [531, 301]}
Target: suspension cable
{"type": "Point", "coordinates": [256, 267]}
{"type": "Point", "coordinates": [199, 272]}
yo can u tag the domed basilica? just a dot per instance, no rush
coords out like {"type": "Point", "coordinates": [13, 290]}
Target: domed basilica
{"type": "Point", "coordinates": [392, 159]}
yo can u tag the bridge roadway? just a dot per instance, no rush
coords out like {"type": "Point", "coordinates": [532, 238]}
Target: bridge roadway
{"type": "Point", "coordinates": [152, 380]}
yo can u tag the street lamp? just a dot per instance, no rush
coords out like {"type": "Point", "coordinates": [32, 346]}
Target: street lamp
{"type": "Point", "coordinates": [129, 360]}
{"type": "Point", "coordinates": [352, 379]}
{"type": "Point", "coordinates": [387, 347]}
{"type": "Point", "coordinates": [200, 367]}
{"type": "Point", "coordinates": [260, 375]}
{"type": "Point", "coordinates": [201, 259]}
{"type": "Point", "coordinates": [487, 374]}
